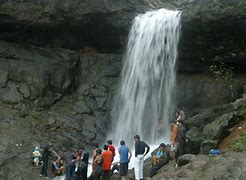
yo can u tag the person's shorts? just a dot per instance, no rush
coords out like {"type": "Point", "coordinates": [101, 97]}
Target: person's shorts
{"type": "Point", "coordinates": [123, 169]}
{"type": "Point", "coordinates": [174, 147]}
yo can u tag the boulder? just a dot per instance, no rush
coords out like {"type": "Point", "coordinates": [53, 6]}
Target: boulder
{"type": "Point", "coordinates": [214, 131]}
{"type": "Point", "coordinates": [195, 139]}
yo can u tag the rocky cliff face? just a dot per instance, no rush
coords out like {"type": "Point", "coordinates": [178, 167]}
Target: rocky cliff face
{"type": "Point", "coordinates": [69, 24]}
{"type": "Point", "coordinates": [213, 34]}
{"type": "Point", "coordinates": [211, 30]}
{"type": "Point", "coordinates": [60, 63]}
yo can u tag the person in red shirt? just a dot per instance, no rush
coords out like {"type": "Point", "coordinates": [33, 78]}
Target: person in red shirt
{"type": "Point", "coordinates": [111, 148]}
{"type": "Point", "coordinates": [107, 156]}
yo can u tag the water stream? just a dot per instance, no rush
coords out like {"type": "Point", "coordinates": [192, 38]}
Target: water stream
{"type": "Point", "coordinates": [145, 100]}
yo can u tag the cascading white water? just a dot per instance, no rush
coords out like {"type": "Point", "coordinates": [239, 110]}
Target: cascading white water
{"type": "Point", "coordinates": [145, 94]}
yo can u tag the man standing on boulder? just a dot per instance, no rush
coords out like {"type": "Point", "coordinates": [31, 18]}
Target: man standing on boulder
{"type": "Point", "coordinates": [139, 155]}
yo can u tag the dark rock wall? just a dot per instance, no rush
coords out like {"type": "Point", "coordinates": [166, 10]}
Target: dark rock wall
{"type": "Point", "coordinates": [39, 76]}
{"type": "Point", "coordinates": [43, 79]}
{"type": "Point", "coordinates": [211, 30]}
{"type": "Point", "coordinates": [197, 92]}
{"type": "Point", "coordinates": [69, 24]}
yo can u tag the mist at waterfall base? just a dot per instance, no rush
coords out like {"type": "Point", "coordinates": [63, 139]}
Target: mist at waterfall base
{"type": "Point", "coordinates": [145, 99]}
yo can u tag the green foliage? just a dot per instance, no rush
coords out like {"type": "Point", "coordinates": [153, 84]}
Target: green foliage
{"type": "Point", "coordinates": [240, 143]}
{"type": "Point", "coordinates": [223, 73]}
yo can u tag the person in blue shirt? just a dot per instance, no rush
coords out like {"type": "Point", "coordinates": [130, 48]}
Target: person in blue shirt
{"type": "Point", "coordinates": [125, 156]}
{"type": "Point", "coordinates": [162, 158]}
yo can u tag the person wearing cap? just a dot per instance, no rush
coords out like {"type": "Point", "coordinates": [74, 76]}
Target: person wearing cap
{"type": "Point", "coordinates": [162, 157]}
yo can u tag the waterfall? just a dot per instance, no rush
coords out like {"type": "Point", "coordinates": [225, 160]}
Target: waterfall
{"type": "Point", "coordinates": [145, 98]}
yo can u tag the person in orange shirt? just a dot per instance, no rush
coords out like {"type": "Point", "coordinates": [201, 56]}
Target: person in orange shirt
{"type": "Point", "coordinates": [107, 160]}
{"type": "Point", "coordinates": [174, 139]}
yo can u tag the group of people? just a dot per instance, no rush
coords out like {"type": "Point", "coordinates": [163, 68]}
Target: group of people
{"type": "Point", "coordinates": [103, 161]}
{"type": "Point", "coordinates": [75, 165]}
